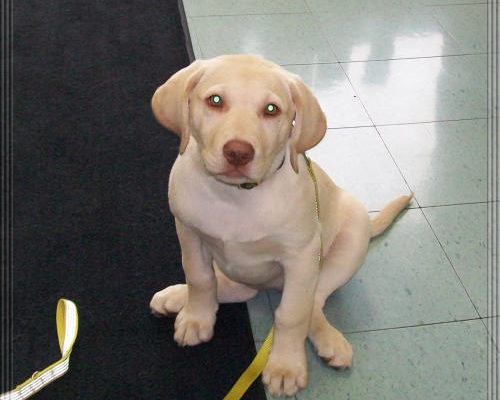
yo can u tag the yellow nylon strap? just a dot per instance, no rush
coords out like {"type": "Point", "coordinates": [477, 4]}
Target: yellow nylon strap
{"type": "Point", "coordinates": [253, 371]}
{"type": "Point", "coordinates": [310, 169]}
{"type": "Point", "coordinates": [316, 200]}
{"type": "Point", "coordinates": [260, 360]}
{"type": "Point", "coordinates": [67, 330]}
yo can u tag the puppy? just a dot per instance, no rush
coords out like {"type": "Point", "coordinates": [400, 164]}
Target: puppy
{"type": "Point", "coordinates": [246, 211]}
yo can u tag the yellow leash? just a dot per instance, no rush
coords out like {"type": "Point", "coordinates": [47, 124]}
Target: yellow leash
{"type": "Point", "coordinates": [253, 370]}
{"type": "Point", "coordinates": [259, 362]}
{"type": "Point", "coordinates": [67, 330]}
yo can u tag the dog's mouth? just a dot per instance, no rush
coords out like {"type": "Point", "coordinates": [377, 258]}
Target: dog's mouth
{"type": "Point", "coordinates": [243, 176]}
{"type": "Point", "coordinates": [233, 176]}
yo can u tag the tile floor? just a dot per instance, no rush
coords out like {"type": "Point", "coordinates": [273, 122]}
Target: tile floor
{"type": "Point", "coordinates": [403, 84]}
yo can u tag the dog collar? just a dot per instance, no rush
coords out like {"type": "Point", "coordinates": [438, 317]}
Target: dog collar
{"type": "Point", "coordinates": [247, 185]}
{"type": "Point", "coordinates": [244, 186]}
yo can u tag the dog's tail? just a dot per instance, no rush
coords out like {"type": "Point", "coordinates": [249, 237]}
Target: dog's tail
{"type": "Point", "coordinates": [385, 217]}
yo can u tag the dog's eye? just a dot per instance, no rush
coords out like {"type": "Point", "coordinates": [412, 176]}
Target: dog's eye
{"type": "Point", "coordinates": [271, 109]}
{"type": "Point", "coordinates": [215, 100]}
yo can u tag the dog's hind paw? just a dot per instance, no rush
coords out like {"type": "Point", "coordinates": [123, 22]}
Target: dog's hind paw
{"type": "Point", "coordinates": [333, 348]}
{"type": "Point", "coordinates": [169, 301]}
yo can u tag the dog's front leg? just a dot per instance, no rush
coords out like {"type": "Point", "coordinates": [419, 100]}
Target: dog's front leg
{"type": "Point", "coordinates": [194, 323]}
{"type": "Point", "coordinates": [286, 369]}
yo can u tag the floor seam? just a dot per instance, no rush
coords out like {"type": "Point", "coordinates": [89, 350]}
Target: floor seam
{"type": "Point", "coordinates": [413, 326]}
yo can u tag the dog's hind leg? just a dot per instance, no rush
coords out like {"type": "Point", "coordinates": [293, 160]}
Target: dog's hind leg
{"type": "Point", "coordinates": [229, 291]}
{"type": "Point", "coordinates": [343, 259]}
{"type": "Point", "coordinates": [172, 299]}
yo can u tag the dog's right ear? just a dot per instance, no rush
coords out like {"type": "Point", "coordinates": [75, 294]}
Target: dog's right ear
{"type": "Point", "coordinates": [170, 102]}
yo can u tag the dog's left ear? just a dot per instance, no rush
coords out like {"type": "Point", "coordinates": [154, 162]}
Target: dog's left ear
{"type": "Point", "coordinates": [310, 121]}
{"type": "Point", "coordinates": [170, 102]}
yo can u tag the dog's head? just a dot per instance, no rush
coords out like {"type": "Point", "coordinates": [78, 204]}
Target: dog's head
{"type": "Point", "coordinates": [243, 112]}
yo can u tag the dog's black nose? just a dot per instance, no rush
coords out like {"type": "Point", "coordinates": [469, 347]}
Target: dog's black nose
{"type": "Point", "coordinates": [238, 153]}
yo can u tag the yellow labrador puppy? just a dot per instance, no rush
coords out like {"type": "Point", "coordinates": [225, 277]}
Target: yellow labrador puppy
{"type": "Point", "coordinates": [246, 213]}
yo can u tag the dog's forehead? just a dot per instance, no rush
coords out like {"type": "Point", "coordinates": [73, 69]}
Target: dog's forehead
{"type": "Point", "coordinates": [251, 73]}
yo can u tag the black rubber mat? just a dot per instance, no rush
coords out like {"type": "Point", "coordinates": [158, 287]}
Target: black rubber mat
{"type": "Point", "coordinates": [91, 220]}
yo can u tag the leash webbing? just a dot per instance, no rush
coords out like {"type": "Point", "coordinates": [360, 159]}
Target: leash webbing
{"type": "Point", "coordinates": [253, 370]}
{"type": "Point", "coordinates": [316, 201]}
{"type": "Point", "coordinates": [67, 330]}
{"type": "Point", "coordinates": [259, 362]}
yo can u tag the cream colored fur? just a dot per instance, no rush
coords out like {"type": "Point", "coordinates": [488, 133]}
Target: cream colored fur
{"type": "Point", "coordinates": [234, 241]}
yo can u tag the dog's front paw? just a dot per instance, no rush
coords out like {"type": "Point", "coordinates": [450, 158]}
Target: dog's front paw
{"type": "Point", "coordinates": [193, 328]}
{"type": "Point", "coordinates": [285, 374]}
{"type": "Point", "coordinates": [169, 301]}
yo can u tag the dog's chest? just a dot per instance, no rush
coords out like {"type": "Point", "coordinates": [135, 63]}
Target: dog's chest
{"type": "Point", "coordinates": [245, 238]}
{"type": "Point", "coordinates": [227, 221]}
{"type": "Point", "coordinates": [246, 262]}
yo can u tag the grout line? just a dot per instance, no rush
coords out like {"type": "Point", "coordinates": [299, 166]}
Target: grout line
{"type": "Point", "coordinates": [258, 343]}
{"type": "Point", "coordinates": [320, 29]}
{"type": "Point", "coordinates": [330, 45]}
{"type": "Point", "coordinates": [455, 204]}
{"type": "Point", "coordinates": [313, 63]}
{"type": "Point", "coordinates": [441, 205]}
{"type": "Point", "coordinates": [451, 263]}
{"type": "Point", "coordinates": [413, 326]}
{"type": "Point", "coordinates": [350, 127]}
{"type": "Point", "coordinates": [378, 133]}
{"type": "Point", "coordinates": [491, 334]}
{"type": "Point", "coordinates": [407, 123]}
{"type": "Point", "coordinates": [435, 121]}
{"type": "Point", "coordinates": [413, 58]}
{"type": "Point", "coordinates": [393, 159]}
{"type": "Point", "coordinates": [438, 21]}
